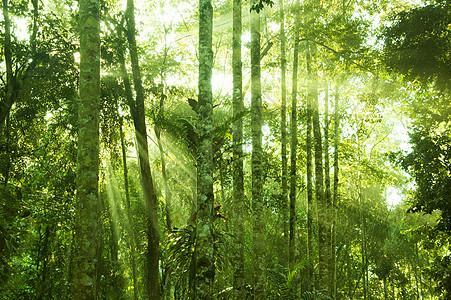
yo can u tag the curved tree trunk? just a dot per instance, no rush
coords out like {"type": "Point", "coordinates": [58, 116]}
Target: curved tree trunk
{"type": "Point", "coordinates": [150, 197]}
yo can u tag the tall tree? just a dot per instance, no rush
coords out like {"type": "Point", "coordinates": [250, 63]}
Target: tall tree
{"type": "Point", "coordinates": [238, 175]}
{"type": "Point", "coordinates": [87, 211]}
{"type": "Point", "coordinates": [335, 187]}
{"type": "Point", "coordinates": [310, 209]}
{"type": "Point", "coordinates": [129, 224]}
{"type": "Point", "coordinates": [9, 98]}
{"type": "Point", "coordinates": [283, 127]}
{"type": "Point", "coordinates": [294, 136]}
{"type": "Point", "coordinates": [328, 195]}
{"type": "Point", "coordinates": [323, 232]}
{"type": "Point", "coordinates": [256, 159]}
{"type": "Point", "coordinates": [149, 194]}
{"type": "Point", "coordinates": [168, 193]}
{"type": "Point", "coordinates": [204, 264]}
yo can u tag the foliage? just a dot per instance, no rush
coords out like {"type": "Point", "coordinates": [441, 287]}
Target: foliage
{"type": "Point", "coordinates": [417, 43]}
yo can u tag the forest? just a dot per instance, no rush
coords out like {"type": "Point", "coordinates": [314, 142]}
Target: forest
{"type": "Point", "coordinates": [228, 149]}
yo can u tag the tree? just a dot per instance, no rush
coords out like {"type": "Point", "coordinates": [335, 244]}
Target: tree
{"type": "Point", "coordinates": [294, 137]}
{"type": "Point", "coordinates": [323, 207]}
{"type": "Point", "coordinates": [238, 176]}
{"type": "Point", "coordinates": [283, 125]}
{"type": "Point", "coordinates": [257, 159]}
{"type": "Point", "coordinates": [420, 53]}
{"type": "Point", "coordinates": [87, 211]}
{"type": "Point", "coordinates": [309, 173]}
{"type": "Point", "coordinates": [204, 257]}
{"type": "Point", "coordinates": [150, 197]}
{"type": "Point", "coordinates": [335, 189]}
{"type": "Point", "coordinates": [129, 228]}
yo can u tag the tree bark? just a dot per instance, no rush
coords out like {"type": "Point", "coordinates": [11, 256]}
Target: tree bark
{"type": "Point", "coordinates": [86, 210]}
{"type": "Point", "coordinates": [150, 197]}
{"type": "Point", "coordinates": [204, 256]}
{"type": "Point", "coordinates": [238, 174]}
{"type": "Point", "coordinates": [256, 161]}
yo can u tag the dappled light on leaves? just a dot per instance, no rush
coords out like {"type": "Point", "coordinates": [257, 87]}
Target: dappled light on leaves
{"type": "Point", "coordinates": [231, 150]}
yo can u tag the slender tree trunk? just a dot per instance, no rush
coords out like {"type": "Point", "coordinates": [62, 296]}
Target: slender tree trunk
{"type": "Point", "coordinates": [310, 209]}
{"type": "Point", "coordinates": [256, 160]}
{"type": "Point", "coordinates": [129, 224]}
{"type": "Point", "coordinates": [323, 219]}
{"type": "Point", "coordinates": [9, 98]}
{"type": "Point", "coordinates": [7, 152]}
{"type": "Point", "coordinates": [86, 210]}
{"type": "Point", "coordinates": [205, 269]}
{"type": "Point", "coordinates": [363, 240]}
{"type": "Point", "coordinates": [34, 32]}
{"type": "Point", "coordinates": [328, 195]}
{"type": "Point", "coordinates": [336, 195]}
{"type": "Point", "coordinates": [294, 138]}
{"type": "Point", "coordinates": [150, 197]}
{"type": "Point", "coordinates": [168, 194]}
{"type": "Point", "coordinates": [283, 133]}
{"type": "Point", "coordinates": [43, 255]}
{"type": "Point", "coordinates": [113, 245]}
{"type": "Point", "coordinates": [238, 174]}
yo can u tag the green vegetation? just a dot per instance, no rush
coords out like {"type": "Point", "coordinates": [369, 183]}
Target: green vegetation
{"type": "Point", "coordinates": [225, 149]}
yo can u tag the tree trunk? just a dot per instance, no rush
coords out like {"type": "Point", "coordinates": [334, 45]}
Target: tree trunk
{"type": "Point", "coordinates": [34, 32]}
{"type": "Point", "coordinates": [310, 211]}
{"type": "Point", "coordinates": [150, 197]}
{"type": "Point", "coordinates": [9, 98]}
{"type": "Point", "coordinates": [256, 161]}
{"type": "Point", "coordinates": [111, 209]}
{"type": "Point", "coordinates": [238, 174]}
{"type": "Point", "coordinates": [86, 210]}
{"type": "Point", "coordinates": [364, 258]}
{"type": "Point", "coordinates": [323, 219]}
{"type": "Point", "coordinates": [283, 133]}
{"type": "Point", "coordinates": [205, 269]}
{"type": "Point", "coordinates": [335, 197]}
{"type": "Point", "coordinates": [294, 139]}
{"type": "Point", "coordinates": [129, 223]}
{"type": "Point", "coordinates": [168, 194]}
{"type": "Point", "coordinates": [328, 195]}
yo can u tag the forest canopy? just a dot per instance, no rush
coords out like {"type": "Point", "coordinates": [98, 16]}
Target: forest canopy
{"type": "Point", "coordinates": [175, 149]}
